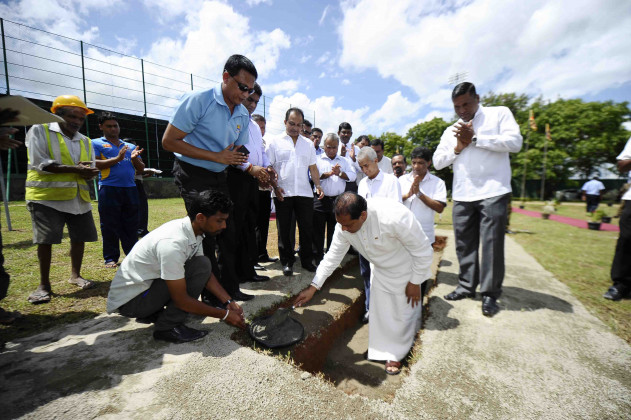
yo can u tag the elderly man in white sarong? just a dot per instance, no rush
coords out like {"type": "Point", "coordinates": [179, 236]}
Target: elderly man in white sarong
{"type": "Point", "coordinates": [388, 235]}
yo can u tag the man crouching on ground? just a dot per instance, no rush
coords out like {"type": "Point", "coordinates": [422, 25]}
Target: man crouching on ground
{"type": "Point", "coordinates": [164, 274]}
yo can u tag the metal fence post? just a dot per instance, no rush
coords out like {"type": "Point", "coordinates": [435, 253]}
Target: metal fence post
{"type": "Point", "coordinates": [144, 98]}
{"type": "Point", "coordinates": [85, 95]}
{"type": "Point", "coordinates": [6, 76]}
{"type": "Point", "coordinates": [192, 81]}
{"type": "Point", "coordinates": [264, 108]}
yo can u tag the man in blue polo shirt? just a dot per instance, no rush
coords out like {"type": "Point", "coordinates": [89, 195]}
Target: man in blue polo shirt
{"type": "Point", "coordinates": [118, 197]}
{"type": "Point", "coordinates": [205, 134]}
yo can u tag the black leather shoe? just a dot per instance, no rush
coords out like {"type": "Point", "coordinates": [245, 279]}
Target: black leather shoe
{"type": "Point", "coordinates": [266, 259]}
{"type": "Point", "coordinates": [365, 318]}
{"type": "Point", "coordinates": [258, 278]}
{"type": "Point", "coordinates": [211, 300]}
{"type": "Point", "coordinates": [310, 267]}
{"type": "Point", "coordinates": [616, 292]}
{"type": "Point", "coordinates": [179, 334]}
{"type": "Point", "coordinates": [258, 267]}
{"type": "Point", "coordinates": [239, 295]}
{"type": "Point", "coordinates": [288, 270]}
{"type": "Point", "coordinates": [489, 306]}
{"type": "Point", "coordinates": [458, 296]}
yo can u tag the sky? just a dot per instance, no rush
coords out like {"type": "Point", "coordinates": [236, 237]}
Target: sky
{"type": "Point", "coordinates": [379, 65]}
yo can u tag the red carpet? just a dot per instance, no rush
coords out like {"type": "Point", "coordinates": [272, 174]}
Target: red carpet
{"type": "Point", "coordinates": [567, 220]}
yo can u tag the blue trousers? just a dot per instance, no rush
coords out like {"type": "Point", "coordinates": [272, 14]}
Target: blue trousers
{"type": "Point", "coordinates": [118, 210]}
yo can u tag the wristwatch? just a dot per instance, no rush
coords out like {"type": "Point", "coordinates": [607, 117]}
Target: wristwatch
{"type": "Point", "coordinates": [474, 139]}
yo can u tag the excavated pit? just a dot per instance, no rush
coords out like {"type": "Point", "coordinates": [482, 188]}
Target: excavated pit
{"type": "Point", "coordinates": [335, 340]}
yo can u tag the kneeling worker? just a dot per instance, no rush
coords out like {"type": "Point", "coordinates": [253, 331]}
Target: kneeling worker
{"type": "Point", "coordinates": [168, 268]}
{"type": "Point", "coordinates": [388, 235]}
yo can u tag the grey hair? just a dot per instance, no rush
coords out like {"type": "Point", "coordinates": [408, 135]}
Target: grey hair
{"type": "Point", "coordinates": [367, 153]}
{"type": "Point", "coordinates": [332, 136]}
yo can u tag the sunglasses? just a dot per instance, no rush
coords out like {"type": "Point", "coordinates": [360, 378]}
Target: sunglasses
{"type": "Point", "coordinates": [242, 87]}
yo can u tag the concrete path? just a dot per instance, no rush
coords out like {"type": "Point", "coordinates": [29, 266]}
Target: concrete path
{"type": "Point", "coordinates": [542, 356]}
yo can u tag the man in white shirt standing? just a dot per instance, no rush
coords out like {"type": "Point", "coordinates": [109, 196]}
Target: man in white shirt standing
{"type": "Point", "coordinates": [384, 162]}
{"type": "Point", "coordinates": [423, 193]}
{"type": "Point", "coordinates": [348, 150]}
{"type": "Point", "coordinates": [376, 183]}
{"type": "Point", "coordinates": [392, 240]}
{"type": "Point", "coordinates": [621, 266]}
{"type": "Point", "coordinates": [293, 156]}
{"type": "Point", "coordinates": [592, 192]}
{"type": "Point", "coordinates": [335, 171]}
{"type": "Point", "coordinates": [478, 145]}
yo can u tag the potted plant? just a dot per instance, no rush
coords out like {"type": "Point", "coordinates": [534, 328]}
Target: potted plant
{"type": "Point", "coordinates": [547, 210]}
{"type": "Point", "coordinates": [594, 222]}
{"type": "Point", "coordinates": [605, 218]}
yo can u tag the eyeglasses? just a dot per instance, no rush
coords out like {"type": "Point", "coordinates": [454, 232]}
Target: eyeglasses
{"type": "Point", "coordinates": [243, 87]}
{"type": "Point", "coordinates": [306, 133]}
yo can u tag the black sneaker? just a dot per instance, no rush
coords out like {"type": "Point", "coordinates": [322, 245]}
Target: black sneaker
{"type": "Point", "coordinates": [179, 334]}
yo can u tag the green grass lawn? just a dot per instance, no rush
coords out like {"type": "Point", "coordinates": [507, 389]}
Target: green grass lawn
{"type": "Point", "coordinates": [579, 258]}
{"type": "Point", "coordinates": [573, 209]}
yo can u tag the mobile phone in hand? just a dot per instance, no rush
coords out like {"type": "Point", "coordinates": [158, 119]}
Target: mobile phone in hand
{"type": "Point", "coordinates": [243, 149]}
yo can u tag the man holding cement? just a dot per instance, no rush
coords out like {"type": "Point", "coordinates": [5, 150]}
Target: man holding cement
{"type": "Point", "coordinates": [162, 277]}
{"type": "Point", "coordinates": [387, 234]}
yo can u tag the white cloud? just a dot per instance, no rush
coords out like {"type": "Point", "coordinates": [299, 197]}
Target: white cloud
{"type": "Point", "coordinates": [346, 82]}
{"type": "Point", "coordinates": [324, 58]}
{"type": "Point", "coordinates": [324, 12]}
{"type": "Point", "coordinates": [566, 47]}
{"type": "Point", "coordinates": [257, 2]}
{"type": "Point", "coordinates": [393, 113]}
{"type": "Point", "coordinates": [214, 32]}
{"type": "Point", "coordinates": [286, 87]}
{"type": "Point", "coordinates": [305, 58]}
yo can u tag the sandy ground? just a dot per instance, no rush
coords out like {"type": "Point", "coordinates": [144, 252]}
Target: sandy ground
{"type": "Point", "coordinates": [542, 356]}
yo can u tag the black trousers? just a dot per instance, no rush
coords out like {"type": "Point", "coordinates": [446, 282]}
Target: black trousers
{"type": "Point", "coordinates": [262, 222]}
{"type": "Point", "coordinates": [4, 276]}
{"type": "Point", "coordinates": [303, 209]}
{"type": "Point", "coordinates": [143, 207]}
{"type": "Point", "coordinates": [323, 219]}
{"type": "Point", "coordinates": [196, 273]}
{"type": "Point", "coordinates": [244, 194]}
{"type": "Point", "coordinates": [221, 250]}
{"type": "Point", "coordinates": [621, 266]}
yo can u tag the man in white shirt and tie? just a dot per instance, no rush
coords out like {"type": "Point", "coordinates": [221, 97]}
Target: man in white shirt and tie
{"type": "Point", "coordinates": [335, 171]}
{"type": "Point", "coordinates": [478, 145]}
{"type": "Point", "coordinates": [376, 183]}
{"type": "Point", "coordinates": [293, 156]}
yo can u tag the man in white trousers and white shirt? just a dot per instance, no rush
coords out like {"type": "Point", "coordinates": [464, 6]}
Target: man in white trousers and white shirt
{"type": "Point", "coordinates": [390, 237]}
{"type": "Point", "coordinates": [478, 145]}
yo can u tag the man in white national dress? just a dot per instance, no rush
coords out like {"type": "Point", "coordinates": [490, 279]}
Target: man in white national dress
{"type": "Point", "coordinates": [388, 235]}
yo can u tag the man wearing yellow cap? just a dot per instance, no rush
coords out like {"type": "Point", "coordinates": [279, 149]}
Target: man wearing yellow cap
{"type": "Point", "coordinates": [60, 162]}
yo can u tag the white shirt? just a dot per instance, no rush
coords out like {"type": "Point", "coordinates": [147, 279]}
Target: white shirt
{"type": "Point", "coordinates": [334, 185]}
{"type": "Point", "coordinates": [292, 163]}
{"type": "Point", "coordinates": [161, 254]}
{"type": "Point", "coordinates": [391, 239]}
{"type": "Point", "coordinates": [482, 170]}
{"type": "Point", "coordinates": [383, 185]}
{"type": "Point", "coordinates": [385, 165]}
{"type": "Point", "coordinates": [431, 186]}
{"type": "Point", "coordinates": [625, 155]}
{"type": "Point", "coordinates": [354, 164]}
{"type": "Point", "coordinates": [255, 145]}
{"type": "Point", "coordinates": [37, 148]}
{"type": "Point", "coordinates": [593, 187]}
